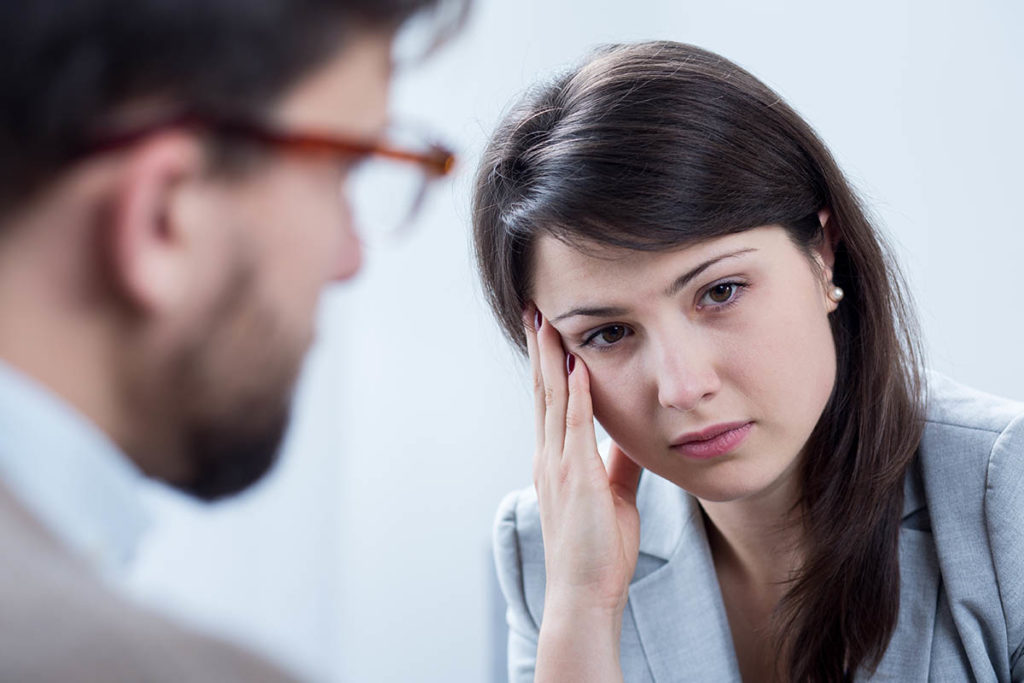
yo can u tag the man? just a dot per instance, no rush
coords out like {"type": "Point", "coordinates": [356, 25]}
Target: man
{"type": "Point", "coordinates": [169, 212]}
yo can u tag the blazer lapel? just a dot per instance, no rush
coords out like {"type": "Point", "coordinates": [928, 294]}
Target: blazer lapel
{"type": "Point", "coordinates": [677, 607]}
{"type": "Point", "coordinates": [908, 656]}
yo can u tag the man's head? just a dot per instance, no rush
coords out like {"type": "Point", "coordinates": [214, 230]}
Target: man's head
{"type": "Point", "coordinates": [165, 281]}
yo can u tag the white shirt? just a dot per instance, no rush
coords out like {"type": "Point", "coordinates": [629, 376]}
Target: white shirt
{"type": "Point", "coordinates": [69, 474]}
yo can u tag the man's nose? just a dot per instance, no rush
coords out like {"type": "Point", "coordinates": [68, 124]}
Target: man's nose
{"type": "Point", "coordinates": [685, 374]}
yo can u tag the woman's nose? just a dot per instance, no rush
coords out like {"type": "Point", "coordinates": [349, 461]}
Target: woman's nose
{"type": "Point", "coordinates": [685, 376]}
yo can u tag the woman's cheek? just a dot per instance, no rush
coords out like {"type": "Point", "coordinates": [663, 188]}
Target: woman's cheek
{"type": "Point", "coordinates": [601, 396]}
{"type": "Point", "coordinates": [617, 408]}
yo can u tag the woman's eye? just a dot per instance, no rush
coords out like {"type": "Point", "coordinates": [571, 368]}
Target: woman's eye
{"type": "Point", "coordinates": [607, 336]}
{"type": "Point", "coordinates": [722, 293]}
{"type": "Point", "coordinates": [610, 335]}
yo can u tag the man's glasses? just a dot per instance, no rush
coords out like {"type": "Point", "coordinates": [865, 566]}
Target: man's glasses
{"type": "Point", "coordinates": [386, 182]}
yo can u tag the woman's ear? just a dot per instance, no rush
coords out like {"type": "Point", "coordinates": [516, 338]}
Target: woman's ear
{"type": "Point", "coordinates": [145, 244]}
{"type": "Point", "coordinates": [826, 250]}
{"type": "Point", "coordinates": [825, 254]}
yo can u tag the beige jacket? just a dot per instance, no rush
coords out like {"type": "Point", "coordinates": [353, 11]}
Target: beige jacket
{"type": "Point", "coordinates": [60, 622]}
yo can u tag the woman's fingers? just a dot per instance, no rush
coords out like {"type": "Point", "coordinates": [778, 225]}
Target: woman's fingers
{"type": "Point", "coordinates": [531, 317]}
{"type": "Point", "coordinates": [556, 390]}
{"type": "Point", "coordinates": [580, 440]}
{"type": "Point", "coordinates": [590, 535]}
{"type": "Point", "coordinates": [623, 474]}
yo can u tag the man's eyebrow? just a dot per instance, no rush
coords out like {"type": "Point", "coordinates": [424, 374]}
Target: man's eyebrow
{"type": "Point", "coordinates": [679, 283]}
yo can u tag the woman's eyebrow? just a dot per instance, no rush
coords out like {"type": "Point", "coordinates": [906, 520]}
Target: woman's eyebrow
{"type": "Point", "coordinates": [688, 276]}
{"type": "Point", "coordinates": [679, 283]}
{"type": "Point", "coordinates": [598, 312]}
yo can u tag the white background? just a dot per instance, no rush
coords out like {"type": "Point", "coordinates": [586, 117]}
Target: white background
{"type": "Point", "coordinates": [365, 556]}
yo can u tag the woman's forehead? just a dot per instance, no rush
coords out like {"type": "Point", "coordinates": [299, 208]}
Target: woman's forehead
{"type": "Point", "coordinates": [559, 266]}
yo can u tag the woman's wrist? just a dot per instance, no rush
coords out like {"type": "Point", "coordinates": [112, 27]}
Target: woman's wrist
{"type": "Point", "coordinates": [579, 642]}
{"type": "Point", "coordinates": [567, 609]}
{"type": "Point", "coordinates": [599, 606]}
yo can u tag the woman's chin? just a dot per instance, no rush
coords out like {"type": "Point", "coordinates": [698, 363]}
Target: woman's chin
{"type": "Point", "coordinates": [727, 482]}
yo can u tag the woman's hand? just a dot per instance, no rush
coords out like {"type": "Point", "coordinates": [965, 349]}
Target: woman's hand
{"type": "Point", "coordinates": [588, 515]}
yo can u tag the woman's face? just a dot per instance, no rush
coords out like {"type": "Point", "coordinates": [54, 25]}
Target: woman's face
{"type": "Point", "coordinates": [711, 364]}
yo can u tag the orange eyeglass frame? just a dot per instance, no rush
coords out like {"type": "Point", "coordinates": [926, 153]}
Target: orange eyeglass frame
{"type": "Point", "coordinates": [436, 161]}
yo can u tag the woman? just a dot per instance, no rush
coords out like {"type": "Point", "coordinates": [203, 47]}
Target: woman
{"type": "Point", "coordinates": [682, 259]}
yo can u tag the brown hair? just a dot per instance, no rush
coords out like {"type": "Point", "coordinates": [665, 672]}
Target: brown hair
{"type": "Point", "coordinates": [656, 145]}
{"type": "Point", "coordinates": [70, 66]}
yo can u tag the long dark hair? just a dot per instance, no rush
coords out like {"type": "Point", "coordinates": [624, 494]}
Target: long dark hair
{"type": "Point", "coordinates": [655, 145]}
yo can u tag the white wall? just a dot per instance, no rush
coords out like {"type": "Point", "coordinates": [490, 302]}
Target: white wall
{"type": "Point", "coordinates": [365, 557]}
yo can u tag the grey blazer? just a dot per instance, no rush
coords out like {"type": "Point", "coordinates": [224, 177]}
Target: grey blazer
{"type": "Point", "coordinates": [60, 623]}
{"type": "Point", "coordinates": [961, 612]}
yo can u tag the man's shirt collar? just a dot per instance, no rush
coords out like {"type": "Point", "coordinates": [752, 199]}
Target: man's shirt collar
{"type": "Point", "coordinates": [69, 474]}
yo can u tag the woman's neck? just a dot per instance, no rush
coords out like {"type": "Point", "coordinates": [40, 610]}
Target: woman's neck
{"type": "Point", "coordinates": [757, 546]}
{"type": "Point", "coordinates": [759, 539]}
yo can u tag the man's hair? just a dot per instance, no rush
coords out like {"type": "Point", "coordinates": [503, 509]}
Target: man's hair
{"type": "Point", "coordinates": [69, 65]}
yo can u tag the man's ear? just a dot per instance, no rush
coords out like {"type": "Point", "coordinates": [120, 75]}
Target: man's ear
{"type": "Point", "coordinates": [146, 241]}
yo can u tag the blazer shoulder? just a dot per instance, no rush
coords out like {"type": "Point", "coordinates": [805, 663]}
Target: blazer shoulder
{"type": "Point", "coordinates": [519, 562]}
{"type": "Point", "coordinates": [1004, 523]}
{"type": "Point", "coordinates": [971, 442]}
{"type": "Point", "coordinates": [972, 462]}
{"type": "Point", "coordinates": [517, 525]}
{"type": "Point", "coordinates": [954, 405]}
{"type": "Point", "coordinates": [962, 428]}
{"type": "Point", "coordinates": [519, 557]}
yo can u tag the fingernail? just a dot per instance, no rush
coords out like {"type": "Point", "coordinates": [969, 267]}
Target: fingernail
{"type": "Point", "coordinates": [570, 363]}
{"type": "Point", "coordinates": [537, 319]}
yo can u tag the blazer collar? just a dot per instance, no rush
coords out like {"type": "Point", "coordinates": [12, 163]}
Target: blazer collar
{"type": "Point", "coordinates": [69, 474]}
{"type": "Point", "coordinates": [677, 607]}
{"type": "Point", "coordinates": [908, 655]}
{"type": "Point", "coordinates": [676, 511]}
{"type": "Point", "coordinates": [677, 604]}
{"type": "Point", "coordinates": [913, 490]}
{"type": "Point", "coordinates": [672, 510]}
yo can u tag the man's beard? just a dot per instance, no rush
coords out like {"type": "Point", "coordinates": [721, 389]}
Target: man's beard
{"type": "Point", "coordinates": [230, 454]}
{"type": "Point", "coordinates": [234, 386]}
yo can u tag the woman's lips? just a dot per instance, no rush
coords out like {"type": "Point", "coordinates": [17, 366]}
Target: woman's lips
{"type": "Point", "coordinates": [715, 441]}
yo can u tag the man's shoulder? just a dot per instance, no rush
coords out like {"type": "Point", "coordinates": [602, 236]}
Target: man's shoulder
{"type": "Point", "coordinates": [61, 621]}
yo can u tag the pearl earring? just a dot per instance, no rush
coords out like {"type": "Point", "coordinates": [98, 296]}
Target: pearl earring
{"type": "Point", "coordinates": [837, 294]}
